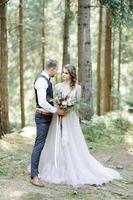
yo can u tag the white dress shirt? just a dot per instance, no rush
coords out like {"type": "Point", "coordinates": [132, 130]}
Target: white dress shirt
{"type": "Point", "coordinates": [41, 86]}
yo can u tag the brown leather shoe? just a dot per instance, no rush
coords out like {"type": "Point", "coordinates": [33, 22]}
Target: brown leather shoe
{"type": "Point", "coordinates": [37, 182]}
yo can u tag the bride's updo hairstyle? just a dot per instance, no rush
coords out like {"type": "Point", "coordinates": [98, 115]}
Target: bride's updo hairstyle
{"type": "Point", "coordinates": [72, 71]}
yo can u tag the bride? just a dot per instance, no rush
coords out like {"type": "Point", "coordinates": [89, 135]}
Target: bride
{"type": "Point", "coordinates": [65, 158]}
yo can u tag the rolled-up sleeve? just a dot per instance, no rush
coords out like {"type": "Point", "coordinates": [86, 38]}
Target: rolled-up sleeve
{"type": "Point", "coordinates": [41, 87]}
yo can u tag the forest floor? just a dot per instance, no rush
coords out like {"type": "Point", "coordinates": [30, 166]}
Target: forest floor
{"type": "Point", "coordinates": [15, 152]}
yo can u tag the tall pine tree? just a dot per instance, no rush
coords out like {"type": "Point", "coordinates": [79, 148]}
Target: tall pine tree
{"type": "Point", "coordinates": [4, 118]}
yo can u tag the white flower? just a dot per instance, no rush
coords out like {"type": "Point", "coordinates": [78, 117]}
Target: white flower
{"type": "Point", "coordinates": [64, 103]}
{"type": "Point", "coordinates": [69, 103]}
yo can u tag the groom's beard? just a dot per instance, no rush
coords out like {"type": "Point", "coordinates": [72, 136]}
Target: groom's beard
{"type": "Point", "coordinates": [52, 76]}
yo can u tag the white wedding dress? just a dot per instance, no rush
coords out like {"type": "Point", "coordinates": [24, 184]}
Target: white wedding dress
{"type": "Point", "coordinates": [65, 158]}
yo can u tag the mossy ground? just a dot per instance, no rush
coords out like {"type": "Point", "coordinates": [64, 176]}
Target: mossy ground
{"type": "Point", "coordinates": [15, 152]}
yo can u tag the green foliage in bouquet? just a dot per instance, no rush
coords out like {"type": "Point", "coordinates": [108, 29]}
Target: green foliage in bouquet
{"type": "Point", "coordinates": [68, 103]}
{"type": "Point", "coordinates": [63, 102]}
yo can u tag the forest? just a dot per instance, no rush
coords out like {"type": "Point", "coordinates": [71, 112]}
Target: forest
{"type": "Point", "coordinates": [102, 55]}
{"type": "Point", "coordinates": [96, 36]}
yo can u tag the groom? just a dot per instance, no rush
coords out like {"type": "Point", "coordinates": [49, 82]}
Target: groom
{"type": "Point", "coordinates": [43, 116]}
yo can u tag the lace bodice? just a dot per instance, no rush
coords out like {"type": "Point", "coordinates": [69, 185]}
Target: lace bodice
{"type": "Point", "coordinates": [75, 93]}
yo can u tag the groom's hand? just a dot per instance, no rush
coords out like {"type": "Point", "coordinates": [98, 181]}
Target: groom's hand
{"type": "Point", "coordinates": [61, 112]}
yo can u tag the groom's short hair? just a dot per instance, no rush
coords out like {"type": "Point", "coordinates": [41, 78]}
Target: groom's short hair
{"type": "Point", "coordinates": [51, 63]}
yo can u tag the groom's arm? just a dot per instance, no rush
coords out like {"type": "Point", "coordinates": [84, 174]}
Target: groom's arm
{"type": "Point", "coordinates": [41, 87]}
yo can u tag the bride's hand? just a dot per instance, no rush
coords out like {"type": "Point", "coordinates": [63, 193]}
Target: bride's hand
{"type": "Point", "coordinates": [61, 112]}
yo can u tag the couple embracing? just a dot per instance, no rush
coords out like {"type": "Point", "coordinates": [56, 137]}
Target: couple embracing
{"type": "Point", "coordinates": [61, 156]}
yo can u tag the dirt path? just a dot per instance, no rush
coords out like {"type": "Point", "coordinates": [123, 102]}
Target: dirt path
{"type": "Point", "coordinates": [15, 151]}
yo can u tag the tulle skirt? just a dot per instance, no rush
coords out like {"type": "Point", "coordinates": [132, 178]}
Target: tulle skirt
{"type": "Point", "coordinates": [66, 159]}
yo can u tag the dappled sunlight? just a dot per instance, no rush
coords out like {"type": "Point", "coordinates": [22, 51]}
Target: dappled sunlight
{"type": "Point", "coordinates": [124, 114]}
{"type": "Point", "coordinates": [129, 139]}
{"type": "Point", "coordinates": [127, 116]}
{"type": "Point", "coordinates": [129, 136]}
{"type": "Point", "coordinates": [130, 152]}
{"type": "Point", "coordinates": [15, 185]}
{"type": "Point", "coordinates": [9, 142]}
{"type": "Point", "coordinates": [28, 131]}
{"type": "Point", "coordinates": [16, 193]}
{"type": "Point", "coordinates": [4, 145]}
{"type": "Point", "coordinates": [95, 39]}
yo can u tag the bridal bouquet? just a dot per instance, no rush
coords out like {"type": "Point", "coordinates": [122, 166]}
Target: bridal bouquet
{"type": "Point", "coordinates": [64, 102]}
{"type": "Point", "coordinates": [68, 103]}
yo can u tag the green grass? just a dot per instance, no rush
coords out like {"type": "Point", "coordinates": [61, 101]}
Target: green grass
{"type": "Point", "coordinates": [32, 196]}
{"type": "Point", "coordinates": [105, 138]}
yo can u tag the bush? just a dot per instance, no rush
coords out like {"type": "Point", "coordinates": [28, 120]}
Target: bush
{"type": "Point", "coordinates": [112, 126]}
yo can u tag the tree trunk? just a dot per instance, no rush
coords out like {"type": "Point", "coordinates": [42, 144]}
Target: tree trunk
{"type": "Point", "coordinates": [80, 39]}
{"type": "Point", "coordinates": [66, 58]}
{"type": "Point", "coordinates": [21, 62]}
{"type": "Point", "coordinates": [113, 71]}
{"type": "Point", "coordinates": [84, 56]}
{"type": "Point", "coordinates": [107, 67]}
{"type": "Point", "coordinates": [43, 34]}
{"type": "Point", "coordinates": [99, 63]}
{"type": "Point", "coordinates": [119, 67]}
{"type": "Point", "coordinates": [4, 118]}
